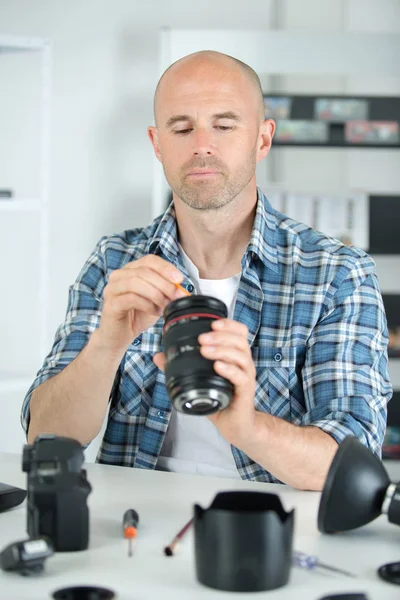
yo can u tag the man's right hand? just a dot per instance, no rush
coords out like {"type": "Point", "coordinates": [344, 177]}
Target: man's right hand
{"type": "Point", "coordinates": [135, 298]}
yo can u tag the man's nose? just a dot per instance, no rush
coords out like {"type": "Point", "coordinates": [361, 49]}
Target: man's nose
{"type": "Point", "coordinates": [203, 143]}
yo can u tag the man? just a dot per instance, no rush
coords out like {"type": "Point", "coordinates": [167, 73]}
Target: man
{"type": "Point", "coordinates": [305, 344]}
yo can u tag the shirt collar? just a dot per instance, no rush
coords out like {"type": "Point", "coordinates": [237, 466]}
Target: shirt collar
{"type": "Point", "coordinates": [262, 240]}
{"type": "Point", "coordinates": [263, 236]}
{"type": "Point", "coordinates": [165, 239]}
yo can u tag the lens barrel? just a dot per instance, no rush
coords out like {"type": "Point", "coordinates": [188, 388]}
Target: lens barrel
{"type": "Point", "coordinates": [192, 384]}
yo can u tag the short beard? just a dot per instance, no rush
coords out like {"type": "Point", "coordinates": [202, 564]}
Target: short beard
{"type": "Point", "coordinates": [200, 199]}
{"type": "Point", "coordinates": [203, 196]}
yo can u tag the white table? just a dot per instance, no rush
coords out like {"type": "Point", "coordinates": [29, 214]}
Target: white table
{"type": "Point", "coordinates": [164, 502]}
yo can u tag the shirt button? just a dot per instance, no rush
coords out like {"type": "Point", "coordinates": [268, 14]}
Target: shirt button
{"type": "Point", "coordinates": [278, 357]}
{"type": "Point", "coordinates": [161, 414]}
{"type": "Point", "coordinates": [190, 288]}
{"type": "Point", "coordinates": [136, 341]}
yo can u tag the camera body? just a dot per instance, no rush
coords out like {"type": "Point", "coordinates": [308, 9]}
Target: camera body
{"type": "Point", "coordinates": [57, 490]}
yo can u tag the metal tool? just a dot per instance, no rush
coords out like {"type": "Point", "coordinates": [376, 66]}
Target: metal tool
{"type": "Point", "coordinates": [309, 561]}
{"type": "Point", "coordinates": [170, 549]}
{"type": "Point", "coordinates": [130, 523]}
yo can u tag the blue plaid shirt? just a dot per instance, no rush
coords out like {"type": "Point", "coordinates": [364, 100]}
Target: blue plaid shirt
{"type": "Point", "coordinates": [317, 331]}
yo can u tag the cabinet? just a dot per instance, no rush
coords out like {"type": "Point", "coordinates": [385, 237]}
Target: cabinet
{"type": "Point", "coordinates": [24, 204]}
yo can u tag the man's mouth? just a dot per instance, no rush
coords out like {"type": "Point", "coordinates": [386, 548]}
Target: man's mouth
{"type": "Point", "coordinates": [202, 173]}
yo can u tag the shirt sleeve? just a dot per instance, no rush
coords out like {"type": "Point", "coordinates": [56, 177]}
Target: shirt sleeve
{"type": "Point", "coordinates": [81, 320]}
{"type": "Point", "coordinates": [345, 375]}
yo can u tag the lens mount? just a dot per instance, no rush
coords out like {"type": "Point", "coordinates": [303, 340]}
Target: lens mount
{"type": "Point", "coordinates": [201, 401]}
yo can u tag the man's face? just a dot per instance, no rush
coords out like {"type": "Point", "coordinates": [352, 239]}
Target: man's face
{"type": "Point", "coordinates": [207, 135]}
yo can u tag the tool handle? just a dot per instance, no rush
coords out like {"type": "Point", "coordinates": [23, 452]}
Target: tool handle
{"type": "Point", "coordinates": [306, 561]}
{"type": "Point", "coordinates": [130, 519]}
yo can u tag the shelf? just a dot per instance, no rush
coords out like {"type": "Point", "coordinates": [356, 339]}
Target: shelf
{"type": "Point", "coordinates": [24, 216]}
{"type": "Point", "coordinates": [394, 410]}
{"type": "Point", "coordinates": [9, 43]}
{"type": "Point", "coordinates": [13, 382]}
{"type": "Point", "coordinates": [23, 204]}
{"type": "Point", "coordinates": [334, 121]}
{"type": "Point", "coordinates": [276, 143]}
{"type": "Point", "coordinates": [394, 371]}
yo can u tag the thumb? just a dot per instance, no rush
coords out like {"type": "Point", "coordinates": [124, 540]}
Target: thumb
{"type": "Point", "coordinates": [159, 360]}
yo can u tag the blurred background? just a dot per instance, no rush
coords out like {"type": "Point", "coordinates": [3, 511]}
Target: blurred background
{"type": "Point", "coordinates": [77, 80]}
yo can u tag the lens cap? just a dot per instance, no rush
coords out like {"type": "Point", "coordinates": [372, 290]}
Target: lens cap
{"type": "Point", "coordinates": [390, 572]}
{"type": "Point", "coordinates": [350, 596]}
{"type": "Point", "coordinates": [83, 592]}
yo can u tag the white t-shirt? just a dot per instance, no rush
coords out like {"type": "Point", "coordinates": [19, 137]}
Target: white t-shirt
{"type": "Point", "coordinates": [192, 443]}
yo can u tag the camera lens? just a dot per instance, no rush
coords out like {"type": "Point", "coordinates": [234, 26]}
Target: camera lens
{"type": "Point", "coordinates": [193, 385]}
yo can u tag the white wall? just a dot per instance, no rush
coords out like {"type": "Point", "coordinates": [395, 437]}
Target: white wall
{"type": "Point", "coordinates": [105, 68]}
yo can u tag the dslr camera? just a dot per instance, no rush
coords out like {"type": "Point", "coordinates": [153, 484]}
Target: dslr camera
{"type": "Point", "coordinates": [57, 490]}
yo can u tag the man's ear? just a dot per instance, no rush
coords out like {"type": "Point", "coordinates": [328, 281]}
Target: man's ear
{"type": "Point", "coordinates": [152, 132]}
{"type": "Point", "coordinates": [267, 130]}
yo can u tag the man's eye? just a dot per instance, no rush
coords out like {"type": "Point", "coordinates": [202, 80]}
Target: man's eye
{"type": "Point", "coordinates": [224, 127]}
{"type": "Point", "coordinates": [182, 131]}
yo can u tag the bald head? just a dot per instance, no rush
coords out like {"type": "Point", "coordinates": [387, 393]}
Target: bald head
{"type": "Point", "coordinates": [199, 64]}
{"type": "Point", "coordinates": [210, 130]}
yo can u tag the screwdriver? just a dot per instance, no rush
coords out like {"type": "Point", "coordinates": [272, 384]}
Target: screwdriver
{"type": "Point", "coordinates": [308, 561]}
{"type": "Point", "coordinates": [182, 289]}
{"type": "Point", "coordinates": [129, 527]}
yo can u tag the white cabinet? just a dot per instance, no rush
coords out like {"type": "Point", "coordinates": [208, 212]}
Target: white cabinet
{"type": "Point", "coordinates": [24, 228]}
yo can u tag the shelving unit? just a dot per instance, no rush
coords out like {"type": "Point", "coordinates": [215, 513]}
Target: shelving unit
{"type": "Point", "coordinates": [29, 210]}
{"type": "Point", "coordinates": [20, 205]}
{"type": "Point", "coordinates": [301, 52]}
{"type": "Point", "coordinates": [302, 107]}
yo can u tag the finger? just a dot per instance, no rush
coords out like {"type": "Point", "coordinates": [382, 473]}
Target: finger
{"type": "Point", "coordinates": [232, 356]}
{"type": "Point", "coordinates": [234, 374]}
{"type": "Point", "coordinates": [159, 360]}
{"type": "Point", "coordinates": [231, 326]}
{"type": "Point", "coordinates": [134, 288]}
{"type": "Point", "coordinates": [123, 281]}
{"type": "Point", "coordinates": [158, 264]}
{"type": "Point", "coordinates": [124, 303]}
{"type": "Point", "coordinates": [139, 287]}
{"type": "Point", "coordinates": [225, 338]}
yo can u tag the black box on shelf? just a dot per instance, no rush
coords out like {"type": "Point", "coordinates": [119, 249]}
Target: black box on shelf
{"type": "Point", "coordinates": [384, 219]}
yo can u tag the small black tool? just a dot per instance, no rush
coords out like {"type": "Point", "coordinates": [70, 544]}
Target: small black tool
{"type": "Point", "coordinates": [26, 557]}
{"type": "Point", "coordinates": [170, 549]}
{"type": "Point", "coordinates": [129, 527]}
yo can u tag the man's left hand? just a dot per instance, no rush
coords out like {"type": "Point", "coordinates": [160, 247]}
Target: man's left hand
{"type": "Point", "coordinates": [227, 345]}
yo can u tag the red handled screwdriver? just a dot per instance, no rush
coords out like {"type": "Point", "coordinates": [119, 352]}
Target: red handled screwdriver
{"type": "Point", "coordinates": [129, 527]}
